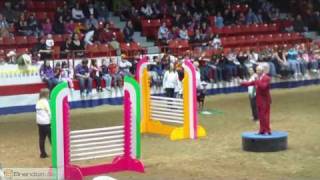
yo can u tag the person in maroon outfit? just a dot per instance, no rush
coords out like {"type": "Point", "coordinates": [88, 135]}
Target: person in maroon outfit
{"type": "Point", "coordinates": [263, 98]}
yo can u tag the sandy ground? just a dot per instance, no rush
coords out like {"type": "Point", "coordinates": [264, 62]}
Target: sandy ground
{"type": "Point", "coordinates": [217, 157]}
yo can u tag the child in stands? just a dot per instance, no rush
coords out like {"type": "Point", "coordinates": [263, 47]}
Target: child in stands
{"type": "Point", "coordinates": [66, 74]}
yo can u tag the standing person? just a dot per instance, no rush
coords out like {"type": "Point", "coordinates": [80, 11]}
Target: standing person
{"type": "Point", "coordinates": [83, 75]}
{"type": "Point", "coordinates": [170, 81]}
{"type": "Point", "coordinates": [252, 94]}
{"type": "Point", "coordinates": [43, 116]}
{"type": "Point", "coordinates": [263, 98]}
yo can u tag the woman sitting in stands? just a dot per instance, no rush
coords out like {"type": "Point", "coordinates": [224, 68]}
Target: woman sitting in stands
{"type": "Point", "coordinates": [95, 71]}
{"type": "Point", "coordinates": [47, 75]}
{"type": "Point", "coordinates": [77, 46]}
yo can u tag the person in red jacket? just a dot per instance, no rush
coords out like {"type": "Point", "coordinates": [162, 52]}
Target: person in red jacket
{"type": "Point", "coordinates": [263, 98]}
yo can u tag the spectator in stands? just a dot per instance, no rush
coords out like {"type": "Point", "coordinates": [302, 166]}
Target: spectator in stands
{"type": "Point", "coordinates": [163, 33]}
{"type": "Point", "coordinates": [22, 26]}
{"type": "Point", "coordinates": [216, 65]}
{"type": "Point", "coordinates": [113, 70]}
{"type": "Point", "coordinates": [89, 10]}
{"type": "Point", "coordinates": [183, 33]}
{"type": "Point", "coordinates": [66, 75]}
{"type": "Point", "coordinates": [47, 27]}
{"type": "Point", "coordinates": [205, 31]}
{"type": "Point", "coordinates": [4, 27]}
{"type": "Point", "coordinates": [69, 27]}
{"type": "Point", "coordinates": [103, 13]}
{"type": "Point", "coordinates": [115, 44]}
{"type": "Point", "coordinates": [294, 64]}
{"type": "Point", "coordinates": [77, 13]}
{"type": "Point", "coordinates": [11, 15]}
{"type": "Point", "coordinates": [157, 72]}
{"type": "Point", "coordinates": [242, 68]}
{"type": "Point", "coordinates": [57, 71]}
{"type": "Point", "coordinates": [146, 11]}
{"type": "Point", "coordinates": [77, 46]}
{"type": "Point", "coordinates": [216, 42]}
{"type": "Point", "coordinates": [88, 37]}
{"type": "Point", "coordinates": [170, 81]}
{"type": "Point", "coordinates": [95, 72]}
{"type": "Point", "coordinates": [196, 38]}
{"type": "Point", "coordinates": [251, 17]}
{"type": "Point", "coordinates": [105, 74]}
{"type": "Point", "coordinates": [128, 32]}
{"type": "Point", "coordinates": [299, 25]}
{"type": "Point", "coordinates": [124, 66]}
{"type": "Point", "coordinates": [35, 50]}
{"type": "Point", "coordinates": [49, 42]}
{"type": "Point", "coordinates": [34, 25]}
{"type": "Point", "coordinates": [219, 21]}
{"type": "Point", "coordinates": [82, 72]}
{"type": "Point", "coordinates": [66, 48]}
{"type": "Point", "coordinates": [231, 65]}
{"type": "Point", "coordinates": [58, 26]}
{"type": "Point", "coordinates": [106, 35]}
{"type": "Point", "coordinates": [230, 17]}
{"type": "Point", "coordinates": [47, 75]}
{"type": "Point", "coordinates": [288, 24]}
{"type": "Point", "coordinates": [241, 19]}
{"type": "Point", "coordinates": [92, 22]}
{"type": "Point", "coordinates": [156, 10]}
{"type": "Point", "coordinates": [177, 21]}
{"type": "Point", "coordinates": [280, 55]}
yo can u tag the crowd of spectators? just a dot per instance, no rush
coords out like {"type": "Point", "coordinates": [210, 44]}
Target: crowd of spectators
{"type": "Point", "coordinates": [299, 61]}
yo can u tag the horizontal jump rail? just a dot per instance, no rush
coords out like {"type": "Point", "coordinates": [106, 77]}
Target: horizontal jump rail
{"type": "Point", "coordinates": [165, 109]}
{"type": "Point", "coordinates": [167, 120]}
{"type": "Point", "coordinates": [167, 117]}
{"type": "Point", "coordinates": [166, 98]}
{"type": "Point", "coordinates": [167, 113]}
{"type": "Point", "coordinates": [166, 102]}
{"type": "Point", "coordinates": [73, 150]}
{"type": "Point", "coordinates": [166, 106]}
{"type": "Point", "coordinates": [96, 152]}
{"type": "Point", "coordinates": [96, 130]}
{"type": "Point", "coordinates": [96, 139]}
{"type": "Point", "coordinates": [96, 157]}
{"type": "Point", "coordinates": [96, 143]}
{"type": "Point", "coordinates": [97, 134]}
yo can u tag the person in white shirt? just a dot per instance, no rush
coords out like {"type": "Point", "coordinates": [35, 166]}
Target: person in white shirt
{"type": "Point", "coordinates": [252, 95]}
{"type": "Point", "coordinates": [124, 66]}
{"type": "Point", "coordinates": [147, 10]}
{"type": "Point", "coordinates": [43, 116]}
{"type": "Point", "coordinates": [163, 33]}
{"type": "Point", "coordinates": [49, 42]}
{"type": "Point", "coordinates": [77, 13]}
{"type": "Point", "coordinates": [88, 38]}
{"type": "Point", "coordinates": [170, 81]}
{"type": "Point", "coordinates": [216, 42]}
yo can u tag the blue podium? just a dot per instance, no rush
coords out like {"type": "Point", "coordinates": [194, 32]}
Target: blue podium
{"type": "Point", "coordinates": [254, 142]}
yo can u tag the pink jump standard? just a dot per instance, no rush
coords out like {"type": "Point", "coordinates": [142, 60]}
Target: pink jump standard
{"type": "Point", "coordinates": [120, 142]}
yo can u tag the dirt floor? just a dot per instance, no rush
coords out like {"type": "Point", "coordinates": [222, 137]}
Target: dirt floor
{"type": "Point", "coordinates": [216, 157]}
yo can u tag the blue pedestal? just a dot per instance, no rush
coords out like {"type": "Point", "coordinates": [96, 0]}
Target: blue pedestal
{"type": "Point", "coordinates": [277, 141]}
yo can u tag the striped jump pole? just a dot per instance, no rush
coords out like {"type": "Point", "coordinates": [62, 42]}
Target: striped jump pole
{"type": "Point", "coordinates": [173, 117]}
{"type": "Point", "coordinates": [120, 142]}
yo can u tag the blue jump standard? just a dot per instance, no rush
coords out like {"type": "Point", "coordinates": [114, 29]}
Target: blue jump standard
{"type": "Point", "coordinates": [254, 142]}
